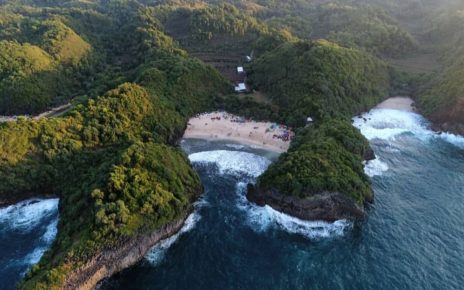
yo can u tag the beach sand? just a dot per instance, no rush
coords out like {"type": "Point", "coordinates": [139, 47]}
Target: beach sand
{"type": "Point", "coordinates": [398, 103]}
{"type": "Point", "coordinates": [224, 126]}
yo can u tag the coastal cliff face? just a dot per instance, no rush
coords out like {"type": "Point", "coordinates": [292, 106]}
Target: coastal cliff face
{"type": "Point", "coordinates": [321, 177]}
{"type": "Point", "coordinates": [110, 262]}
{"type": "Point", "coordinates": [451, 120]}
{"type": "Point", "coordinates": [326, 206]}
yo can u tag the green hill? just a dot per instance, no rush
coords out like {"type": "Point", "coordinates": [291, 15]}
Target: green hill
{"type": "Point", "coordinates": [36, 60]}
{"type": "Point", "coordinates": [442, 97]}
{"type": "Point", "coordinates": [323, 159]}
{"type": "Point", "coordinates": [113, 160]}
{"type": "Point", "coordinates": [29, 79]}
{"type": "Point", "coordinates": [319, 79]}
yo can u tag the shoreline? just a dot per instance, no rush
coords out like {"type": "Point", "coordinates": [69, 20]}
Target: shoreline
{"type": "Point", "coordinates": [238, 141]}
{"type": "Point", "coordinates": [399, 103]}
{"type": "Point", "coordinates": [228, 127]}
{"type": "Point", "coordinates": [109, 262]}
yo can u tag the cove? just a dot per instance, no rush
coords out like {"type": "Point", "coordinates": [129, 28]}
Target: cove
{"type": "Point", "coordinates": [412, 238]}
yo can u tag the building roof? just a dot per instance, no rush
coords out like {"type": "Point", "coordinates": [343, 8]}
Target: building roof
{"type": "Point", "coordinates": [241, 87]}
{"type": "Point", "coordinates": [240, 69]}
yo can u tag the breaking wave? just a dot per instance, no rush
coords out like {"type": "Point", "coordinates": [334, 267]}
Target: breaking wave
{"type": "Point", "coordinates": [375, 167]}
{"type": "Point", "coordinates": [265, 218]}
{"type": "Point", "coordinates": [45, 242]}
{"type": "Point", "coordinates": [28, 214]}
{"type": "Point", "coordinates": [158, 252]}
{"type": "Point", "coordinates": [232, 162]}
{"type": "Point", "coordinates": [453, 139]}
{"type": "Point", "coordinates": [388, 124]}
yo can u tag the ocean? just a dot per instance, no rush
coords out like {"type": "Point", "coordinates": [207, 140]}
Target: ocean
{"type": "Point", "coordinates": [413, 237]}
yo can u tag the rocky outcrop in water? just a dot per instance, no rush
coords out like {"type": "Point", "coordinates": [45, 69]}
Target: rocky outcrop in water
{"type": "Point", "coordinates": [325, 206]}
{"type": "Point", "coordinates": [109, 262]}
{"type": "Point", "coordinates": [445, 125]}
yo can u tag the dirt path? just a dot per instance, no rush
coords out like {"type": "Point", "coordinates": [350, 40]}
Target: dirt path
{"type": "Point", "coordinates": [50, 113]}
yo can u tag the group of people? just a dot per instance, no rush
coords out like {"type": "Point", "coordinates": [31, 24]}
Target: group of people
{"type": "Point", "coordinates": [285, 136]}
{"type": "Point", "coordinates": [285, 133]}
{"type": "Point", "coordinates": [281, 132]}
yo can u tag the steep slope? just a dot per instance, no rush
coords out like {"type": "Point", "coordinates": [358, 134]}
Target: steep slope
{"type": "Point", "coordinates": [38, 57]}
{"type": "Point", "coordinates": [320, 79]}
{"type": "Point", "coordinates": [29, 80]}
{"type": "Point", "coordinates": [322, 176]}
{"type": "Point", "coordinates": [442, 99]}
{"type": "Point", "coordinates": [113, 160]}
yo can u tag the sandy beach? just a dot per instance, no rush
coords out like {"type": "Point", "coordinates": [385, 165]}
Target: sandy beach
{"type": "Point", "coordinates": [397, 103]}
{"type": "Point", "coordinates": [224, 126]}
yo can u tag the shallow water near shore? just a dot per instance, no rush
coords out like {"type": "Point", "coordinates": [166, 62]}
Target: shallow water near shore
{"type": "Point", "coordinates": [412, 238]}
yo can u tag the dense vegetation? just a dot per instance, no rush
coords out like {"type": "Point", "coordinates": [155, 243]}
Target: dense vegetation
{"type": "Point", "coordinates": [107, 159]}
{"type": "Point", "coordinates": [319, 79]}
{"type": "Point", "coordinates": [350, 24]}
{"type": "Point", "coordinates": [323, 158]}
{"type": "Point", "coordinates": [37, 59]}
{"type": "Point", "coordinates": [112, 158]}
{"type": "Point", "coordinates": [442, 99]}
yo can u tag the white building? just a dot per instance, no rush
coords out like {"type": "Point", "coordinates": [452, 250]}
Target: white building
{"type": "Point", "coordinates": [240, 69]}
{"type": "Point", "coordinates": [240, 88]}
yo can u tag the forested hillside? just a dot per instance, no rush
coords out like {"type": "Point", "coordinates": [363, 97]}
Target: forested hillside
{"type": "Point", "coordinates": [38, 57]}
{"type": "Point", "coordinates": [135, 72]}
{"type": "Point", "coordinates": [112, 159]}
{"type": "Point", "coordinates": [442, 99]}
{"type": "Point", "coordinates": [320, 80]}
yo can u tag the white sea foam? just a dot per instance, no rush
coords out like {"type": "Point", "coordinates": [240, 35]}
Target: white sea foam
{"type": "Point", "coordinates": [453, 139]}
{"type": "Point", "coordinates": [47, 239]}
{"type": "Point", "coordinates": [265, 218]}
{"type": "Point", "coordinates": [375, 167]}
{"type": "Point", "coordinates": [158, 252]}
{"type": "Point", "coordinates": [233, 162]}
{"type": "Point", "coordinates": [28, 214]}
{"type": "Point", "coordinates": [35, 256]}
{"type": "Point", "coordinates": [387, 124]}
{"type": "Point", "coordinates": [50, 232]}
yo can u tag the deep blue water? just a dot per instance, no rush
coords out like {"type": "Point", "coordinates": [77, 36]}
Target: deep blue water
{"type": "Point", "coordinates": [26, 231]}
{"type": "Point", "coordinates": [413, 237]}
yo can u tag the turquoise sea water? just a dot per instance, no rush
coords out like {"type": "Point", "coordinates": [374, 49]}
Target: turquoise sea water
{"type": "Point", "coordinates": [413, 237]}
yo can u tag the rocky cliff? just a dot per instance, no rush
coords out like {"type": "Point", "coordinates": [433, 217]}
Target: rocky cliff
{"type": "Point", "coordinates": [326, 206]}
{"type": "Point", "coordinates": [109, 262]}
